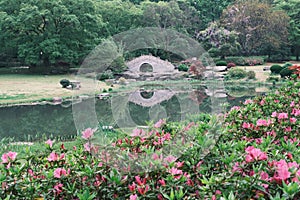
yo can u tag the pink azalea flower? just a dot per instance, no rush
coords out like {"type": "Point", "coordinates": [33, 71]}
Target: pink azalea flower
{"type": "Point", "coordinates": [60, 172]}
{"type": "Point", "coordinates": [288, 129]}
{"type": "Point", "coordinates": [53, 157]}
{"type": "Point", "coordinates": [262, 102]}
{"type": "Point", "coordinates": [155, 156]}
{"type": "Point", "coordinates": [293, 120]}
{"type": "Point", "coordinates": [255, 154]}
{"type": "Point", "coordinates": [58, 188]}
{"type": "Point", "coordinates": [263, 122]}
{"type": "Point", "coordinates": [133, 197]}
{"type": "Point", "coordinates": [264, 176]}
{"type": "Point", "coordinates": [282, 171]}
{"type": "Point", "coordinates": [12, 155]}
{"type": "Point", "coordinates": [162, 182]}
{"type": "Point", "coordinates": [271, 133]}
{"type": "Point", "coordinates": [132, 187]}
{"type": "Point", "coordinates": [296, 178]}
{"type": "Point", "coordinates": [87, 147]}
{"type": "Point", "coordinates": [292, 104]}
{"type": "Point", "coordinates": [143, 190]}
{"type": "Point", "coordinates": [218, 192]}
{"type": "Point", "coordinates": [274, 114]}
{"type": "Point", "coordinates": [247, 125]}
{"type": "Point", "coordinates": [167, 136]}
{"type": "Point", "coordinates": [138, 133]}
{"type": "Point", "coordinates": [179, 164]}
{"type": "Point", "coordinates": [235, 108]}
{"type": "Point", "coordinates": [159, 123]}
{"type": "Point", "coordinates": [293, 164]}
{"type": "Point", "coordinates": [170, 159]}
{"type": "Point", "coordinates": [175, 171]}
{"type": "Point", "coordinates": [258, 140]}
{"type": "Point", "coordinates": [87, 133]}
{"type": "Point", "coordinates": [295, 112]}
{"type": "Point", "coordinates": [4, 158]}
{"type": "Point", "coordinates": [49, 142]}
{"type": "Point", "coordinates": [283, 116]}
{"type": "Point", "coordinates": [236, 167]}
{"type": "Point", "coordinates": [140, 181]}
{"type": "Point", "coordinates": [248, 101]}
{"type": "Point", "coordinates": [8, 157]}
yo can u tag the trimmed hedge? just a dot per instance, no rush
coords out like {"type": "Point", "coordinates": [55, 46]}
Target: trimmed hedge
{"type": "Point", "coordinates": [221, 63]}
{"type": "Point", "coordinates": [275, 69]}
{"type": "Point", "coordinates": [64, 83]}
{"type": "Point", "coordinates": [285, 72]}
{"type": "Point", "coordinates": [183, 67]}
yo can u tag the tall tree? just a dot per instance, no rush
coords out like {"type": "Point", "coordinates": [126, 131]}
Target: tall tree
{"type": "Point", "coordinates": [210, 10]}
{"type": "Point", "coordinates": [119, 16]}
{"type": "Point", "coordinates": [219, 41]}
{"type": "Point", "coordinates": [292, 8]}
{"type": "Point", "coordinates": [178, 15]}
{"type": "Point", "coordinates": [260, 28]}
{"type": "Point", "coordinates": [49, 32]}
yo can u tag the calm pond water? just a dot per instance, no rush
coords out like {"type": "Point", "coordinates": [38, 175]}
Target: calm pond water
{"type": "Point", "coordinates": [31, 122]}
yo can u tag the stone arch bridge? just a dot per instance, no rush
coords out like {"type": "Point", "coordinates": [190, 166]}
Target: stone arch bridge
{"type": "Point", "coordinates": [158, 65]}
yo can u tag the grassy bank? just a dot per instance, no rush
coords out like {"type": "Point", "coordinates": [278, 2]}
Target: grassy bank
{"type": "Point", "coordinates": [17, 88]}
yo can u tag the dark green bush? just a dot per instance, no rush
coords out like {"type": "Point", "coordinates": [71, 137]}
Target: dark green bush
{"type": "Point", "coordinates": [251, 75]}
{"type": "Point", "coordinates": [110, 89]}
{"type": "Point", "coordinates": [275, 69]}
{"type": "Point", "coordinates": [235, 73]}
{"type": "Point", "coordinates": [285, 72]}
{"type": "Point", "coordinates": [64, 83]}
{"type": "Point", "coordinates": [183, 67]}
{"type": "Point", "coordinates": [104, 90]}
{"type": "Point", "coordinates": [221, 63]}
{"type": "Point", "coordinates": [287, 64]}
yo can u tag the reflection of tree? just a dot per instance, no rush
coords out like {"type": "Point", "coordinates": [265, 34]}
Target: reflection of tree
{"type": "Point", "coordinates": [198, 96]}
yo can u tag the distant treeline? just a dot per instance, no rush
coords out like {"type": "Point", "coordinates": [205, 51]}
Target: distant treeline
{"type": "Point", "coordinates": [62, 32]}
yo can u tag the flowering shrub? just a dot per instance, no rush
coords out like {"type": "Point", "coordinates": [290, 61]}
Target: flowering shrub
{"type": "Point", "coordinates": [230, 65]}
{"type": "Point", "coordinates": [256, 157]}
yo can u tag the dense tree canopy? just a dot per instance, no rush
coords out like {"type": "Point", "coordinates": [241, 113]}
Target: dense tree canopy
{"type": "Point", "coordinates": [261, 29]}
{"type": "Point", "coordinates": [292, 8]}
{"type": "Point", "coordinates": [48, 33]}
{"type": "Point", "coordinates": [219, 41]}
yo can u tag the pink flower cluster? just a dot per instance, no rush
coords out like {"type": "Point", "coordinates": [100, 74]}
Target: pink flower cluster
{"type": "Point", "coordinates": [284, 171]}
{"type": "Point", "coordinates": [255, 154]}
{"type": "Point", "coordinates": [88, 133]}
{"type": "Point", "coordinates": [139, 185]}
{"type": "Point", "coordinates": [263, 122]}
{"type": "Point", "coordinates": [59, 172]}
{"type": "Point", "coordinates": [55, 157]}
{"type": "Point", "coordinates": [8, 157]}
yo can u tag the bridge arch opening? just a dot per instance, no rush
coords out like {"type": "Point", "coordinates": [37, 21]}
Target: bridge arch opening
{"type": "Point", "coordinates": [147, 94]}
{"type": "Point", "coordinates": [146, 67]}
